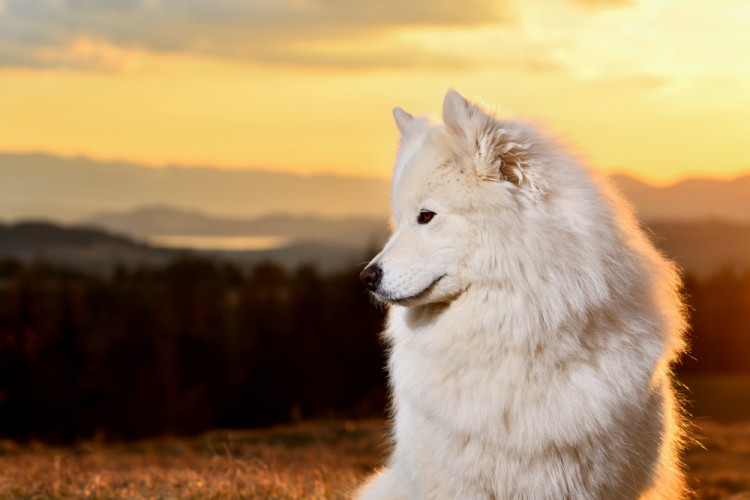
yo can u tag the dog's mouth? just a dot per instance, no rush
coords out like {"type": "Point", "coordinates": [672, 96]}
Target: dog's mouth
{"type": "Point", "coordinates": [405, 301]}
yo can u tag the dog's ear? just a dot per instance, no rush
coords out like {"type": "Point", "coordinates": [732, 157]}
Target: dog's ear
{"type": "Point", "coordinates": [406, 123]}
{"type": "Point", "coordinates": [498, 151]}
{"type": "Point", "coordinates": [457, 111]}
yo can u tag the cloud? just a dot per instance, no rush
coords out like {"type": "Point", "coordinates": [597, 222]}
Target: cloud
{"type": "Point", "coordinates": [36, 33]}
{"type": "Point", "coordinates": [79, 54]}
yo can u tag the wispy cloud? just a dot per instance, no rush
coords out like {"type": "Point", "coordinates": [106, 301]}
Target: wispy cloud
{"type": "Point", "coordinates": [39, 33]}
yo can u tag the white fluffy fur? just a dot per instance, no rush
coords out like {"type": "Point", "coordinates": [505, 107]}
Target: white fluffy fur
{"type": "Point", "coordinates": [531, 326]}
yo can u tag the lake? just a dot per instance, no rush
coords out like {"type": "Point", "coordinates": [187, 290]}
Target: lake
{"type": "Point", "coordinates": [219, 242]}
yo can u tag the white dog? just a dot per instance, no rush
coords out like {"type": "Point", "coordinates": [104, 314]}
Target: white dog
{"type": "Point", "coordinates": [531, 324]}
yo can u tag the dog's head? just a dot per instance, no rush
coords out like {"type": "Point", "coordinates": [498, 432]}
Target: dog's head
{"type": "Point", "coordinates": [465, 193]}
{"type": "Point", "coordinates": [436, 200]}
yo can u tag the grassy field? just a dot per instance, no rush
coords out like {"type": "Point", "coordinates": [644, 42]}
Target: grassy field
{"type": "Point", "coordinates": [309, 460]}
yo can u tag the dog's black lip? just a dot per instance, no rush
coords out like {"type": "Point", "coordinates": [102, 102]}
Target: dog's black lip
{"type": "Point", "coordinates": [416, 296]}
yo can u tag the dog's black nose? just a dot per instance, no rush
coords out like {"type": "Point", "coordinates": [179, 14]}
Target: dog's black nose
{"type": "Point", "coordinates": [370, 276]}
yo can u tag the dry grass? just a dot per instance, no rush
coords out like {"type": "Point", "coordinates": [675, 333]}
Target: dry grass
{"type": "Point", "coordinates": [310, 460]}
{"type": "Point", "coordinates": [720, 468]}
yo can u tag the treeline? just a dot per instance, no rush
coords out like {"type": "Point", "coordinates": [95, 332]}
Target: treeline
{"type": "Point", "coordinates": [719, 309]}
{"type": "Point", "coordinates": [181, 349]}
{"type": "Point", "coordinates": [200, 344]}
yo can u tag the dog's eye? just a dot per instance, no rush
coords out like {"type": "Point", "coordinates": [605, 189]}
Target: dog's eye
{"type": "Point", "coordinates": [425, 216]}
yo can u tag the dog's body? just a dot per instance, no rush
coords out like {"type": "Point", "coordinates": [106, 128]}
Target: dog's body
{"type": "Point", "coordinates": [532, 323]}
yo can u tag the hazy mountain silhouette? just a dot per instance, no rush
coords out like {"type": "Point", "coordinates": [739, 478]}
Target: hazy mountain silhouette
{"type": "Point", "coordinates": [90, 249]}
{"type": "Point", "coordinates": [704, 247]}
{"type": "Point", "coordinates": [690, 199]}
{"type": "Point", "coordinates": [78, 247]}
{"type": "Point", "coordinates": [703, 224]}
{"type": "Point", "coordinates": [38, 185]}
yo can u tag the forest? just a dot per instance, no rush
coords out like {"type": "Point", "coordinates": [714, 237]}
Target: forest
{"type": "Point", "coordinates": [201, 344]}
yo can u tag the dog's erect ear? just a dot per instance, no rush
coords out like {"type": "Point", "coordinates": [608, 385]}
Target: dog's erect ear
{"type": "Point", "coordinates": [464, 117]}
{"type": "Point", "coordinates": [457, 111]}
{"type": "Point", "coordinates": [406, 123]}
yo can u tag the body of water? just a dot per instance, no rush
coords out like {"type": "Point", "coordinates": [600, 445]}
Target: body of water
{"type": "Point", "coordinates": [219, 242]}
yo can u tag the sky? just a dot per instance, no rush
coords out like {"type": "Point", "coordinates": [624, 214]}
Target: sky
{"type": "Point", "coordinates": [659, 89]}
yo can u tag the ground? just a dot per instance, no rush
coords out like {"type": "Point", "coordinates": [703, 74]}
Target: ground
{"type": "Point", "coordinates": [309, 460]}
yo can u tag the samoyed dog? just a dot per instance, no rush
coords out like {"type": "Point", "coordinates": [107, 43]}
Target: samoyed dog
{"type": "Point", "coordinates": [531, 323]}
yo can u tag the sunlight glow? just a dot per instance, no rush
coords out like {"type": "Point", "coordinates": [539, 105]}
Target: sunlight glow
{"type": "Point", "coordinates": [657, 89]}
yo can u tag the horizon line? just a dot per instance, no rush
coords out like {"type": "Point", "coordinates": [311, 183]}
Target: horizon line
{"type": "Point", "coordinates": [323, 172]}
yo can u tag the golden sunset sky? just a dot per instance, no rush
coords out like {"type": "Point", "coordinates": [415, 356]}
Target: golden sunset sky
{"type": "Point", "coordinates": [659, 89]}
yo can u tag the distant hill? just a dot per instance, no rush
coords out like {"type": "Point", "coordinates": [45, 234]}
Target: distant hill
{"type": "Point", "coordinates": [703, 224]}
{"type": "Point", "coordinates": [68, 190]}
{"type": "Point", "coordinates": [79, 247]}
{"type": "Point", "coordinates": [704, 247]}
{"type": "Point", "coordinates": [50, 187]}
{"type": "Point", "coordinates": [88, 249]}
{"type": "Point", "coordinates": [688, 200]}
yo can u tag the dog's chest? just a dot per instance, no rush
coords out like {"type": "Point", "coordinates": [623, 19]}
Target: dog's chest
{"type": "Point", "coordinates": [474, 390]}
{"type": "Point", "coordinates": [475, 383]}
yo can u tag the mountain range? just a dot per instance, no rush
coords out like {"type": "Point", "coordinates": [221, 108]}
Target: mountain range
{"type": "Point", "coordinates": [96, 250]}
{"type": "Point", "coordinates": [73, 189]}
{"type": "Point", "coordinates": [77, 189]}
{"type": "Point", "coordinates": [94, 215]}
{"type": "Point", "coordinates": [690, 199]}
